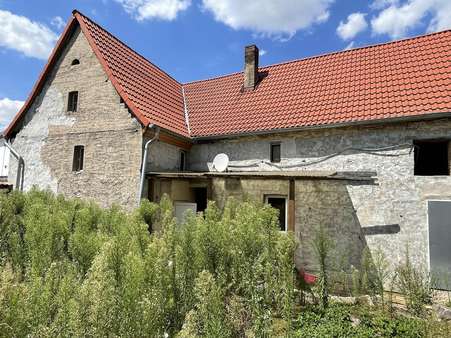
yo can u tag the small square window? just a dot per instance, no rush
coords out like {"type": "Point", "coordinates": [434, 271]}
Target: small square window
{"type": "Point", "coordinates": [280, 203]}
{"type": "Point", "coordinates": [275, 152]}
{"type": "Point", "coordinates": [72, 102]}
{"type": "Point", "coordinates": [431, 158]}
{"type": "Point", "coordinates": [79, 153]}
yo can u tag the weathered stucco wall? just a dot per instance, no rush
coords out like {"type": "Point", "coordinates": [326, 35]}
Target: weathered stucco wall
{"type": "Point", "coordinates": [391, 213]}
{"type": "Point", "coordinates": [111, 136]}
{"type": "Point", "coordinates": [256, 189]}
{"type": "Point", "coordinates": [163, 157]}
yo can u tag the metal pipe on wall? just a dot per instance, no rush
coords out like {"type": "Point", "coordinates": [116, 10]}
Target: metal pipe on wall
{"type": "Point", "coordinates": [144, 160]}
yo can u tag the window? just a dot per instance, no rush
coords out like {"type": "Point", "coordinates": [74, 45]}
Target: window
{"type": "Point", "coordinates": [280, 203]}
{"type": "Point", "coordinates": [431, 158]}
{"type": "Point", "coordinates": [75, 62]}
{"type": "Point", "coordinates": [79, 153]}
{"type": "Point", "coordinates": [72, 101]}
{"type": "Point", "coordinates": [182, 165]}
{"type": "Point", "coordinates": [275, 152]}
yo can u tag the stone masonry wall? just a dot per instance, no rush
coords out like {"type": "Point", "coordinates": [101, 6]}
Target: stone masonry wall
{"type": "Point", "coordinates": [111, 136]}
{"type": "Point", "coordinates": [391, 213]}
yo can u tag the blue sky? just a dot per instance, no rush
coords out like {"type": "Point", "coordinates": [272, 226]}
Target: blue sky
{"type": "Point", "coordinates": [197, 39]}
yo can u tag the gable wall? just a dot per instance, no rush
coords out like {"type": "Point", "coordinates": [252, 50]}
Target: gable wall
{"type": "Point", "coordinates": [398, 198]}
{"type": "Point", "coordinates": [111, 136]}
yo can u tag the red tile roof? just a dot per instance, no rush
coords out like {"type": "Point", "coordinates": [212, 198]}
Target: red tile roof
{"type": "Point", "coordinates": [399, 79]}
{"type": "Point", "coordinates": [150, 93]}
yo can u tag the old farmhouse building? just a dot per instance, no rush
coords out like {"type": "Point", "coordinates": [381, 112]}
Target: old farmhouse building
{"type": "Point", "coordinates": [356, 141]}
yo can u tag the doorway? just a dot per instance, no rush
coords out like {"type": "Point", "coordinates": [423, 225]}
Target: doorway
{"type": "Point", "coordinates": [200, 198]}
{"type": "Point", "coordinates": [280, 203]}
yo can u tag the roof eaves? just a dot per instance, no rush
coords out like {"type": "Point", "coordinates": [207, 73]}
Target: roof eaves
{"type": "Point", "coordinates": [399, 119]}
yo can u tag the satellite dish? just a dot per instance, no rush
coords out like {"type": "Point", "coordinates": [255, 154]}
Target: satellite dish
{"type": "Point", "coordinates": [220, 162]}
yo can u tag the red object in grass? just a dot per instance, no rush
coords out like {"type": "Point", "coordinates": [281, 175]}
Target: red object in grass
{"type": "Point", "coordinates": [307, 277]}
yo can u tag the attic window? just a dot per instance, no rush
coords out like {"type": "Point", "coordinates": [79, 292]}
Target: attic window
{"type": "Point", "coordinates": [79, 154]}
{"type": "Point", "coordinates": [72, 101]}
{"type": "Point", "coordinates": [431, 158]}
{"type": "Point", "coordinates": [75, 62]}
{"type": "Point", "coordinates": [275, 152]}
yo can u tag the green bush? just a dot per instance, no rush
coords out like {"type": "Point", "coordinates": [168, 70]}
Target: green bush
{"type": "Point", "coordinates": [343, 321]}
{"type": "Point", "coordinates": [70, 268]}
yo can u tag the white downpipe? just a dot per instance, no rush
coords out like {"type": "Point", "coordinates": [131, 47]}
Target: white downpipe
{"type": "Point", "coordinates": [144, 161]}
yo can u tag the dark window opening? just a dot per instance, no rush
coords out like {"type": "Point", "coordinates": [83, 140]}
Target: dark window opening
{"type": "Point", "coordinates": [121, 100]}
{"type": "Point", "coordinates": [275, 152]}
{"type": "Point", "coordinates": [431, 158]}
{"type": "Point", "coordinates": [200, 197]}
{"type": "Point", "coordinates": [182, 164]}
{"type": "Point", "coordinates": [79, 153]}
{"type": "Point", "coordinates": [72, 102]}
{"type": "Point", "coordinates": [75, 62]}
{"type": "Point", "coordinates": [279, 203]}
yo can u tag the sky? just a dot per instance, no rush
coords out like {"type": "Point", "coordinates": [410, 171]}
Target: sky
{"type": "Point", "coordinates": [199, 39]}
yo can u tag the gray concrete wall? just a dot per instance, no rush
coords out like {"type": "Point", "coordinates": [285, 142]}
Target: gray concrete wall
{"type": "Point", "coordinates": [111, 136]}
{"type": "Point", "coordinates": [163, 157]}
{"type": "Point", "coordinates": [398, 198]}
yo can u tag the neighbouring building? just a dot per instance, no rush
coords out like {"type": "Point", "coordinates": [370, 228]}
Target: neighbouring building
{"type": "Point", "coordinates": [357, 141]}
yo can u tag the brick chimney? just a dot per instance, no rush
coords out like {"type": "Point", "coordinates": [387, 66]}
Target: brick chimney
{"type": "Point", "coordinates": [250, 67]}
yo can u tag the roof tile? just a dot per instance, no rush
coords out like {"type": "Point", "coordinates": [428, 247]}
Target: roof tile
{"type": "Point", "coordinates": [401, 78]}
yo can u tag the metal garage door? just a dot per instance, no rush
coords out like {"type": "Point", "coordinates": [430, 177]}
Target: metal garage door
{"type": "Point", "coordinates": [439, 214]}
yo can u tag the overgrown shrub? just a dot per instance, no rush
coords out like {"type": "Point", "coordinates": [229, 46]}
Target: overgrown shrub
{"type": "Point", "coordinates": [70, 268]}
{"type": "Point", "coordinates": [322, 247]}
{"type": "Point", "coordinates": [415, 284]}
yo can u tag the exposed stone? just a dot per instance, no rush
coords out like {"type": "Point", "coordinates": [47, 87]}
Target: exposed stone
{"type": "Point", "coordinates": [111, 136]}
{"type": "Point", "coordinates": [443, 312]}
{"type": "Point", "coordinates": [344, 300]}
{"type": "Point", "coordinates": [355, 321]}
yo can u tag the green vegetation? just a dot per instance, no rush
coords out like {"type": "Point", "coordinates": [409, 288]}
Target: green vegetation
{"type": "Point", "coordinates": [71, 269]}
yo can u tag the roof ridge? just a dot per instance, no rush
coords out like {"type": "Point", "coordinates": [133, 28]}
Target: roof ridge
{"type": "Point", "coordinates": [126, 45]}
{"type": "Point", "coordinates": [324, 55]}
{"type": "Point", "coordinates": [212, 78]}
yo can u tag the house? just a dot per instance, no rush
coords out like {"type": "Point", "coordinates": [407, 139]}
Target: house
{"type": "Point", "coordinates": [356, 141]}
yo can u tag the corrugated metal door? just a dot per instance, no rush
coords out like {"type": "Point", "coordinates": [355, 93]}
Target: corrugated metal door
{"type": "Point", "coordinates": [439, 215]}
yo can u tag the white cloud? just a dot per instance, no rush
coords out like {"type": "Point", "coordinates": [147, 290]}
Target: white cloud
{"type": "Point", "coordinates": [154, 9]}
{"type": "Point", "coordinates": [397, 19]}
{"type": "Point", "coordinates": [8, 108]}
{"type": "Point", "coordinates": [58, 22]}
{"type": "Point", "coordinates": [379, 4]}
{"type": "Point", "coordinates": [269, 17]}
{"type": "Point", "coordinates": [356, 23]}
{"type": "Point", "coordinates": [28, 37]}
{"type": "Point", "coordinates": [262, 52]}
{"type": "Point", "coordinates": [350, 45]}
